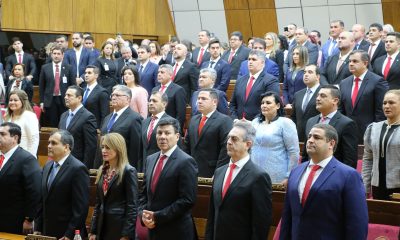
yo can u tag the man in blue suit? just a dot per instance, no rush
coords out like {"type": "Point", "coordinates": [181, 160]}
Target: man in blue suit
{"type": "Point", "coordinates": [148, 70]}
{"type": "Point", "coordinates": [222, 67]}
{"type": "Point", "coordinates": [325, 198]}
{"type": "Point", "coordinates": [331, 46]}
{"type": "Point", "coordinates": [270, 66]}
{"type": "Point", "coordinates": [85, 57]}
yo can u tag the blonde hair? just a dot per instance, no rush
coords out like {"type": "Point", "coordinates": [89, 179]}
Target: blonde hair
{"type": "Point", "coordinates": [102, 54]}
{"type": "Point", "coordinates": [23, 97]}
{"type": "Point", "coordinates": [275, 40]}
{"type": "Point", "coordinates": [115, 142]}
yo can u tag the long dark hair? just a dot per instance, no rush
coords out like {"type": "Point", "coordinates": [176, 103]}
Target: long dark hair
{"type": "Point", "coordinates": [280, 112]}
{"type": "Point", "coordinates": [135, 72]}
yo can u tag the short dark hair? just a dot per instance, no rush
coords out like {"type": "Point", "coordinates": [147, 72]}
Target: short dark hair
{"type": "Point", "coordinates": [330, 133]}
{"type": "Point", "coordinates": [174, 39]}
{"type": "Point", "coordinates": [334, 91]}
{"type": "Point", "coordinates": [207, 32]}
{"type": "Point", "coordinates": [277, 99]}
{"type": "Point", "coordinates": [260, 41]}
{"type": "Point", "coordinates": [135, 72]}
{"type": "Point", "coordinates": [170, 122]}
{"type": "Point", "coordinates": [15, 39]}
{"type": "Point", "coordinates": [364, 55]}
{"type": "Point", "coordinates": [395, 34]}
{"type": "Point", "coordinates": [78, 90]}
{"type": "Point", "coordinates": [66, 138]}
{"type": "Point", "coordinates": [318, 33]}
{"type": "Point", "coordinates": [145, 47]}
{"type": "Point", "coordinates": [96, 70]}
{"type": "Point", "coordinates": [62, 36]}
{"type": "Point", "coordinates": [317, 70]}
{"type": "Point", "coordinates": [89, 38]}
{"type": "Point", "coordinates": [284, 43]}
{"type": "Point", "coordinates": [377, 25]}
{"type": "Point", "coordinates": [213, 93]}
{"type": "Point", "coordinates": [79, 33]}
{"type": "Point", "coordinates": [237, 34]}
{"type": "Point", "coordinates": [13, 129]}
{"type": "Point", "coordinates": [213, 41]}
{"type": "Point", "coordinates": [164, 96]}
{"type": "Point", "coordinates": [341, 23]}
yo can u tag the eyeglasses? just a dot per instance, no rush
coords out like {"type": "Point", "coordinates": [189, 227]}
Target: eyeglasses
{"type": "Point", "coordinates": [118, 95]}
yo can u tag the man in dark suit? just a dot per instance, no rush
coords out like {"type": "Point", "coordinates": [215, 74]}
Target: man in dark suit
{"type": "Point", "coordinates": [245, 102]}
{"type": "Point", "coordinates": [206, 135]}
{"type": "Point", "coordinates": [176, 106]}
{"type": "Point", "coordinates": [328, 100]}
{"type": "Point", "coordinates": [95, 97]}
{"type": "Point", "coordinates": [236, 54]}
{"type": "Point", "coordinates": [81, 124]}
{"type": "Point", "coordinates": [388, 66]}
{"type": "Point", "coordinates": [330, 47]}
{"type": "Point", "coordinates": [325, 199]}
{"type": "Point", "coordinates": [55, 77]}
{"type": "Point", "coordinates": [86, 57]}
{"type": "Point", "coordinates": [337, 66]}
{"type": "Point", "coordinates": [168, 56]}
{"type": "Point", "coordinates": [20, 57]}
{"type": "Point", "coordinates": [19, 182]}
{"type": "Point", "coordinates": [125, 122]}
{"type": "Point", "coordinates": [200, 54]}
{"type": "Point", "coordinates": [65, 191]}
{"type": "Point", "coordinates": [221, 66]}
{"type": "Point", "coordinates": [206, 80]}
{"type": "Point", "coordinates": [241, 198]}
{"type": "Point", "coordinates": [358, 31]}
{"type": "Point", "coordinates": [185, 73]}
{"type": "Point", "coordinates": [304, 100]}
{"type": "Point", "coordinates": [169, 187]}
{"type": "Point", "coordinates": [89, 44]}
{"type": "Point", "coordinates": [377, 46]}
{"type": "Point", "coordinates": [147, 70]}
{"type": "Point", "coordinates": [362, 93]}
{"type": "Point", "coordinates": [125, 60]}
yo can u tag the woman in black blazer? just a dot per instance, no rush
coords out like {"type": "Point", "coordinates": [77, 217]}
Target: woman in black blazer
{"type": "Point", "coordinates": [108, 67]}
{"type": "Point", "coordinates": [114, 216]}
{"type": "Point", "coordinates": [19, 82]}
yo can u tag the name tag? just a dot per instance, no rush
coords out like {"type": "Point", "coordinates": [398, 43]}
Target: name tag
{"type": "Point", "coordinates": [106, 67]}
{"type": "Point", "coordinates": [65, 79]}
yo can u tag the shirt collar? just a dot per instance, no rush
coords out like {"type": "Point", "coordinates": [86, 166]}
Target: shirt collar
{"type": "Point", "coordinates": [394, 55]}
{"type": "Point", "coordinates": [76, 110]}
{"type": "Point", "coordinates": [323, 163]}
{"type": "Point", "coordinates": [10, 152]}
{"type": "Point", "coordinates": [330, 115]}
{"type": "Point", "coordinates": [22, 53]}
{"type": "Point", "coordinates": [314, 88]}
{"type": "Point", "coordinates": [169, 152]}
{"type": "Point", "coordinates": [377, 42]}
{"type": "Point", "coordinates": [209, 114]}
{"type": "Point", "coordinates": [61, 162]}
{"type": "Point", "coordinates": [91, 87]}
{"type": "Point", "coordinates": [241, 162]}
{"type": "Point", "coordinates": [121, 111]}
{"type": "Point", "coordinates": [215, 60]}
{"type": "Point", "coordinates": [179, 62]}
{"type": "Point", "coordinates": [361, 77]}
{"type": "Point", "coordinates": [160, 114]}
{"type": "Point", "coordinates": [257, 74]}
{"type": "Point", "coordinates": [145, 63]}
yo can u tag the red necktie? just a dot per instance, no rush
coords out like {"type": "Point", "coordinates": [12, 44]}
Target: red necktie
{"type": "Point", "coordinates": [162, 89]}
{"type": "Point", "coordinates": [175, 70]}
{"type": "Point", "coordinates": [355, 91]}
{"type": "Point", "coordinates": [200, 56]}
{"type": "Point", "coordinates": [57, 81]}
{"type": "Point", "coordinates": [228, 180]}
{"type": "Point", "coordinates": [249, 86]}
{"type": "Point", "coordinates": [323, 119]}
{"type": "Point", "coordinates": [151, 127]}
{"type": "Point", "coordinates": [370, 49]}
{"type": "Point", "coordinates": [387, 67]}
{"type": "Point", "coordinates": [1, 160]}
{"type": "Point", "coordinates": [157, 172]}
{"type": "Point", "coordinates": [17, 83]}
{"type": "Point", "coordinates": [231, 56]}
{"type": "Point", "coordinates": [308, 184]}
{"type": "Point", "coordinates": [19, 58]}
{"type": "Point", "coordinates": [201, 124]}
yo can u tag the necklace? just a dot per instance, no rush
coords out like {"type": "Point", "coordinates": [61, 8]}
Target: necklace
{"type": "Point", "coordinates": [384, 136]}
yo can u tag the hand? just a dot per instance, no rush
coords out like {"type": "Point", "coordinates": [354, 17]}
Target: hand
{"type": "Point", "coordinates": [92, 237]}
{"type": "Point", "coordinates": [29, 77]}
{"type": "Point", "coordinates": [124, 238]}
{"type": "Point", "coordinates": [37, 233]}
{"type": "Point", "coordinates": [148, 219]}
{"type": "Point", "coordinates": [42, 107]}
{"type": "Point", "coordinates": [79, 80]}
{"type": "Point", "coordinates": [27, 227]}
{"type": "Point", "coordinates": [288, 106]}
{"type": "Point", "coordinates": [284, 183]}
{"type": "Point", "coordinates": [11, 77]}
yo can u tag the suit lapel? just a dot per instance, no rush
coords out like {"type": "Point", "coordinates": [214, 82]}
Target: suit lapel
{"type": "Point", "coordinates": [296, 179]}
{"type": "Point", "coordinates": [110, 185]}
{"type": "Point", "coordinates": [218, 181]}
{"type": "Point", "coordinates": [255, 85]}
{"type": "Point", "coordinates": [364, 84]}
{"type": "Point", "coordinates": [149, 173]}
{"type": "Point", "coordinates": [311, 101]}
{"type": "Point", "coordinates": [46, 172]}
{"type": "Point", "coordinates": [8, 164]}
{"type": "Point", "coordinates": [238, 179]}
{"type": "Point", "coordinates": [342, 67]}
{"type": "Point", "coordinates": [60, 173]}
{"type": "Point", "coordinates": [120, 119]}
{"type": "Point", "coordinates": [334, 119]}
{"type": "Point", "coordinates": [196, 120]}
{"type": "Point", "coordinates": [207, 125]}
{"type": "Point", "coordinates": [395, 66]}
{"type": "Point", "coordinates": [75, 119]}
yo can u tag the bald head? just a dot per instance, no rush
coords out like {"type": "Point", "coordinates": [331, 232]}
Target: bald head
{"type": "Point", "coordinates": [346, 42]}
{"type": "Point", "coordinates": [180, 52]}
{"type": "Point", "coordinates": [358, 31]}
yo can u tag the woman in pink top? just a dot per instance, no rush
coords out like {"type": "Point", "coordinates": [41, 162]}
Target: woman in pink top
{"type": "Point", "coordinates": [139, 94]}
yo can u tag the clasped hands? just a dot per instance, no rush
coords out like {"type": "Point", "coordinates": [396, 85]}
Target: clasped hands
{"type": "Point", "coordinates": [148, 219]}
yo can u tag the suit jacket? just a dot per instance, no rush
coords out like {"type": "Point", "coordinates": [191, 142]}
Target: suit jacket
{"type": "Point", "coordinates": [169, 59]}
{"type": "Point", "coordinates": [98, 103]}
{"type": "Point", "coordinates": [87, 58]}
{"type": "Point", "coordinates": [301, 117]}
{"type": "Point", "coordinates": [208, 148]}
{"type": "Point", "coordinates": [363, 45]}
{"type": "Point", "coordinates": [379, 51]}
{"type": "Point", "coordinates": [329, 70]}
{"type": "Point", "coordinates": [325, 51]}
{"type": "Point", "coordinates": [27, 60]}
{"type": "Point", "coordinates": [346, 149]}
{"type": "Point", "coordinates": [291, 86]}
{"type": "Point", "coordinates": [115, 212]}
{"type": "Point", "coordinates": [129, 125]}
{"type": "Point", "coordinates": [83, 128]}
{"type": "Point", "coordinates": [279, 59]}
{"type": "Point", "coordinates": [270, 67]}
{"type": "Point", "coordinates": [20, 188]}
{"type": "Point", "coordinates": [239, 107]}
{"type": "Point", "coordinates": [337, 197]}
{"type": "Point", "coordinates": [195, 55]}
{"type": "Point", "coordinates": [121, 64]}
{"type": "Point", "coordinates": [187, 77]}
{"type": "Point", "coordinates": [393, 77]}
{"type": "Point", "coordinates": [173, 198]}
{"type": "Point", "coordinates": [176, 106]}
{"type": "Point", "coordinates": [149, 147]}
{"type": "Point", "coordinates": [241, 54]}
{"type": "Point", "coordinates": [70, 189]}
{"type": "Point", "coordinates": [222, 106]}
{"type": "Point", "coordinates": [312, 55]}
{"type": "Point", "coordinates": [26, 85]}
{"type": "Point", "coordinates": [47, 81]}
{"type": "Point", "coordinates": [223, 70]}
{"type": "Point", "coordinates": [248, 201]}
{"type": "Point", "coordinates": [368, 105]}
{"type": "Point", "coordinates": [148, 77]}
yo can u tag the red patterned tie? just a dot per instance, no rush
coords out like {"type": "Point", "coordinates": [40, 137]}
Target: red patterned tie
{"type": "Point", "coordinates": [201, 124]}
{"type": "Point", "coordinates": [57, 81]}
{"type": "Point", "coordinates": [370, 49]}
{"type": "Point", "coordinates": [200, 56]}
{"type": "Point", "coordinates": [228, 180]}
{"type": "Point", "coordinates": [175, 70]}
{"type": "Point", "coordinates": [157, 172]}
{"type": "Point", "coordinates": [387, 68]}
{"type": "Point", "coordinates": [231, 56]}
{"type": "Point", "coordinates": [19, 58]}
{"type": "Point", "coordinates": [1, 160]}
{"type": "Point", "coordinates": [249, 86]}
{"type": "Point", "coordinates": [162, 89]}
{"type": "Point", "coordinates": [355, 91]}
{"type": "Point", "coordinates": [309, 183]}
{"type": "Point", "coordinates": [151, 127]}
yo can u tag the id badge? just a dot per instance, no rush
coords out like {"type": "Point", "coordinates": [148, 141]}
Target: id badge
{"type": "Point", "coordinates": [106, 67]}
{"type": "Point", "coordinates": [65, 80]}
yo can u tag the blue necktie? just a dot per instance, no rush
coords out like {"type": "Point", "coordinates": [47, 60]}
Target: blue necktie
{"type": "Point", "coordinates": [111, 122]}
{"type": "Point", "coordinates": [85, 96]}
{"type": "Point", "coordinates": [141, 69]}
{"type": "Point", "coordinates": [69, 118]}
{"type": "Point", "coordinates": [53, 174]}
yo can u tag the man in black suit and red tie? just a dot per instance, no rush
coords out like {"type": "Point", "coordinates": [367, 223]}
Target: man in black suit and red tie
{"type": "Point", "coordinates": [236, 54]}
{"type": "Point", "coordinates": [241, 197]}
{"type": "Point", "coordinates": [19, 182]}
{"type": "Point", "coordinates": [388, 66]}
{"type": "Point", "coordinates": [377, 46]}
{"type": "Point", "coordinates": [201, 54]}
{"type": "Point", "coordinates": [206, 136]}
{"type": "Point", "coordinates": [55, 78]}
{"type": "Point", "coordinates": [169, 187]}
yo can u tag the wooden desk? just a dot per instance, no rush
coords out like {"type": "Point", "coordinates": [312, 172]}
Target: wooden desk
{"type": "Point", "coordinates": [9, 236]}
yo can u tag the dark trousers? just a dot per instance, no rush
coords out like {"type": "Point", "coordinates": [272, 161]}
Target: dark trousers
{"type": "Point", "coordinates": [383, 193]}
{"type": "Point", "coordinates": [52, 114]}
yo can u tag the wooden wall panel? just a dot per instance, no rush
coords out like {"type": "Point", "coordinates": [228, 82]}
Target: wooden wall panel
{"type": "Point", "coordinates": [164, 23]}
{"type": "Point", "coordinates": [390, 11]}
{"type": "Point", "coordinates": [263, 21]}
{"type": "Point", "coordinates": [236, 4]}
{"type": "Point", "coordinates": [258, 4]}
{"type": "Point", "coordinates": [57, 21]}
{"type": "Point", "coordinates": [239, 20]}
{"type": "Point", "coordinates": [145, 23]}
{"type": "Point", "coordinates": [125, 21]}
{"type": "Point", "coordinates": [84, 15]}
{"type": "Point", "coordinates": [36, 16]}
{"type": "Point", "coordinates": [106, 16]}
{"type": "Point", "coordinates": [13, 14]}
